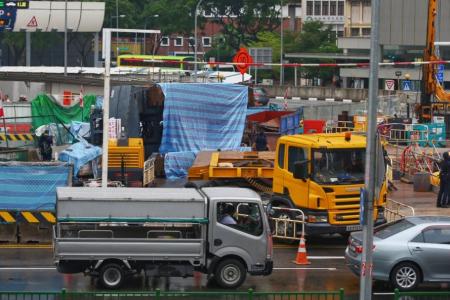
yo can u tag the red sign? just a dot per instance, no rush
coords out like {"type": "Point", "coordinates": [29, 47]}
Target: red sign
{"type": "Point", "coordinates": [33, 22]}
{"type": "Point", "coordinates": [243, 57]}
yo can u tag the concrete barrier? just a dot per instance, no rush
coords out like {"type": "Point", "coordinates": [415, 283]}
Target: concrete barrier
{"type": "Point", "coordinates": [347, 100]}
{"type": "Point", "coordinates": [306, 92]}
{"type": "Point", "coordinates": [312, 99]}
{"type": "Point", "coordinates": [8, 233]}
{"type": "Point", "coordinates": [329, 99]}
{"type": "Point", "coordinates": [34, 233]}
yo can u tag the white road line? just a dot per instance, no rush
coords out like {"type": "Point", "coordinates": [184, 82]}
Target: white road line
{"type": "Point", "coordinates": [383, 294]}
{"type": "Point", "coordinates": [326, 257]}
{"type": "Point", "coordinates": [26, 268]}
{"type": "Point", "coordinates": [328, 269]}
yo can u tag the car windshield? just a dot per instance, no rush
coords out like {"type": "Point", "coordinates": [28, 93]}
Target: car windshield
{"type": "Point", "coordinates": [389, 229]}
{"type": "Point", "coordinates": [340, 166]}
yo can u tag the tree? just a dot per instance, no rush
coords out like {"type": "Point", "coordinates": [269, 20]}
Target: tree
{"type": "Point", "coordinates": [15, 41]}
{"type": "Point", "coordinates": [242, 20]}
{"type": "Point", "coordinates": [41, 42]}
{"type": "Point", "coordinates": [82, 43]}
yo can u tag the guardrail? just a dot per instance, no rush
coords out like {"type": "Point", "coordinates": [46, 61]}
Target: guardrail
{"type": "Point", "coordinates": [395, 210]}
{"type": "Point", "coordinates": [421, 295]}
{"type": "Point", "coordinates": [285, 226]}
{"type": "Point", "coordinates": [250, 294]}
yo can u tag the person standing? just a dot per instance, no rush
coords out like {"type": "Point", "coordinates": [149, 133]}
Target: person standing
{"type": "Point", "coordinates": [45, 146]}
{"type": "Point", "coordinates": [444, 184]}
{"type": "Point", "coordinates": [261, 141]}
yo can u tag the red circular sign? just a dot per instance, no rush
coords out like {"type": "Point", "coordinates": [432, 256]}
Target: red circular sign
{"type": "Point", "coordinates": [242, 58]}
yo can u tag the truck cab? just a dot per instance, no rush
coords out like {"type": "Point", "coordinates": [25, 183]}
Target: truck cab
{"type": "Point", "coordinates": [322, 174]}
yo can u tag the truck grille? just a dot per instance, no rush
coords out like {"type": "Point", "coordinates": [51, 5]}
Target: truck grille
{"type": "Point", "coordinates": [346, 209]}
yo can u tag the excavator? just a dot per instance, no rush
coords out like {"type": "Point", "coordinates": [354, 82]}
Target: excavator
{"type": "Point", "coordinates": [434, 100]}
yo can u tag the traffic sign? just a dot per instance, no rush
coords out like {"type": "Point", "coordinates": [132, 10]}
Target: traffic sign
{"type": "Point", "coordinates": [33, 22]}
{"type": "Point", "coordinates": [389, 84]}
{"type": "Point", "coordinates": [406, 85]}
{"type": "Point", "coordinates": [440, 74]}
{"type": "Point", "coordinates": [243, 57]}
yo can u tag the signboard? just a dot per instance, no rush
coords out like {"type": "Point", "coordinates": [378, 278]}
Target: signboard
{"type": "Point", "coordinates": [261, 55]}
{"type": "Point", "coordinates": [242, 56]}
{"type": "Point", "coordinates": [440, 74]}
{"type": "Point", "coordinates": [407, 85]}
{"type": "Point", "coordinates": [389, 85]}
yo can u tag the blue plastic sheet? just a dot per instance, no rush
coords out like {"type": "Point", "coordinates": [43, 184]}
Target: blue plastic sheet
{"type": "Point", "coordinates": [177, 164]}
{"type": "Point", "coordinates": [79, 154]}
{"type": "Point", "coordinates": [203, 116]}
{"type": "Point", "coordinates": [31, 187]}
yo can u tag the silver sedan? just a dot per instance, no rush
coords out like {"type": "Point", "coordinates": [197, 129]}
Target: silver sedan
{"type": "Point", "coordinates": [406, 252]}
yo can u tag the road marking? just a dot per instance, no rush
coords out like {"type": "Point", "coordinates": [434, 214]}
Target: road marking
{"type": "Point", "coordinates": [26, 246]}
{"type": "Point", "coordinates": [384, 294]}
{"type": "Point", "coordinates": [26, 268]}
{"type": "Point", "coordinates": [328, 269]}
{"type": "Point", "coordinates": [326, 257]}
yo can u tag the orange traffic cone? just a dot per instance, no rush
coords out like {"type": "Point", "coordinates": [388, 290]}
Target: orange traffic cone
{"type": "Point", "coordinates": [302, 258]}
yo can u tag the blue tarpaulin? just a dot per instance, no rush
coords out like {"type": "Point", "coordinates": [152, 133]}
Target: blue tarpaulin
{"type": "Point", "coordinates": [79, 154]}
{"type": "Point", "coordinates": [200, 116]}
{"type": "Point", "coordinates": [25, 186]}
{"type": "Point", "coordinates": [177, 164]}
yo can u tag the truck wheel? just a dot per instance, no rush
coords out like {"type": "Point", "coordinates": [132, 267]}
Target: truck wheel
{"type": "Point", "coordinates": [111, 276]}
{"type": "Point", "coordinates": [230, 273]}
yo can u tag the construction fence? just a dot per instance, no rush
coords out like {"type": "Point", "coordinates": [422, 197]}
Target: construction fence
{"type": "Point", "coordinates": [167, 295]}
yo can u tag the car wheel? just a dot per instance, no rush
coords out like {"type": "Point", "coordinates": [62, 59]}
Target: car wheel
{"type": "Point", "coordinates": [405, 276]}
{"type": "Point", "coordinates": [230, 273]}
{"type": "Point", "coordinates": [111, 276]}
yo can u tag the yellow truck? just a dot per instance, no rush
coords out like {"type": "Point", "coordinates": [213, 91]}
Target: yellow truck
{"type": "Point", "coordinates": [320, 174]}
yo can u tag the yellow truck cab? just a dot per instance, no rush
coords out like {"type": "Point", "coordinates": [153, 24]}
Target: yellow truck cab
{"type": "Point", "coordinates": [322, 175]}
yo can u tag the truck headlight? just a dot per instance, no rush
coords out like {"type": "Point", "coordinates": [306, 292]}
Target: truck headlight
{"type": "Point", "coordinates": [317, 219]}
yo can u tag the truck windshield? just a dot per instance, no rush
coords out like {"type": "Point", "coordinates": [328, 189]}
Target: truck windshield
{"type": "Point", "coordinates": [338, 166]}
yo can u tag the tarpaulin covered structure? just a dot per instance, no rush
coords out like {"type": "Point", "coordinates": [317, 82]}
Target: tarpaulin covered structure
{"type": "Point", "coordinates": [199, 116]}
{"type": "Point", "coordinates": [45, 111]}
{"type": "Point", "coordinates": [79, 154]}
{"type": "Point", "coordinates": [31, 186]}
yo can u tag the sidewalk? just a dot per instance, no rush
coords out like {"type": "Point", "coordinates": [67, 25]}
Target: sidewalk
{"type": "Point", "coordinates": [424, 203]}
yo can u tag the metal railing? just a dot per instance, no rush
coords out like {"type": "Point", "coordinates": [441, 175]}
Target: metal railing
{"type": "Point", "coordinates": [421, 295]}
{"type": "Point", "coordinates": [286, 227]}
{"type": "Point", "coordinates": [250, 294]}
{"type": "Point", "coordinates": [395, 210]}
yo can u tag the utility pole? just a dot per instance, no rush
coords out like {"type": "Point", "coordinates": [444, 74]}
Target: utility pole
{"type": "Point", "coordinates": [281, 45]}
{"type": "Point", "coordinates": [65, 38]}
{"type": "Point", "coordinates": [195, 37]}
{"type": "Point", "coordinates": [371, 159]}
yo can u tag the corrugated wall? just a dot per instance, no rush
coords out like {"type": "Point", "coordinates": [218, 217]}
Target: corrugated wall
{"type": "Point", "coordinates": [403, 22]}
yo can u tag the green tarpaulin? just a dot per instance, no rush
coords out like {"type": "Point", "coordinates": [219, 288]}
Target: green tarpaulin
{"type": "Point", "coordinates": [45, 111]}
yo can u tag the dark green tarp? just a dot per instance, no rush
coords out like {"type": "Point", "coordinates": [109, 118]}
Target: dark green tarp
{"type": "Point", "coordinates": [45, 111]}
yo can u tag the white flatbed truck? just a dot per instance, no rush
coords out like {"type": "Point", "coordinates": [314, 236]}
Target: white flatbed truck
{"type": "Point", "coordinates": [117, 232]}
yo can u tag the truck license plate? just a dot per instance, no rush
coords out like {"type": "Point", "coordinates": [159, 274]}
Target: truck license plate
{"type": "Point", "coordinates": [353, 228]}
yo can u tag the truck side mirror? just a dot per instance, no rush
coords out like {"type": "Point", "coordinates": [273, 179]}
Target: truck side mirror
{"type": "Point", "coordinates": [301, 169]}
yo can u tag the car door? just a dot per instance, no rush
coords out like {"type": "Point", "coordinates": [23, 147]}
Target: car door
{"type": "Point", "coordinates": [432, 250]}
{"type": "Point", "coordinates": [239, 231]}
{"type": "Point", "coordinates": [298, 188]}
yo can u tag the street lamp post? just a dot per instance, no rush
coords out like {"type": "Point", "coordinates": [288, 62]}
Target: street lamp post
{"type": "Point", "coordinates": [65, 38]}
{"type": "Point", "coordinates": [117, 32]}
{"type": "Point", "coordinates": [281, 45]}
{"type": "Point", "coordinates": [195, 39]}
{"type": "Point", "coordinates": [145, 27]}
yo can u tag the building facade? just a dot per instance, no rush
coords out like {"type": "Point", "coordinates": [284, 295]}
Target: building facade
{"type": "Point", "coordinates": [330, 12]}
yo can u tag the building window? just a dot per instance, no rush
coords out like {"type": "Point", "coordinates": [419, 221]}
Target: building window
{"type": "Point", "coordinates": [179, 41]}
{"type": "Point", "coordinates": [325, 6]}
{"type": "Point", "coordinates": [340, 33]}
{"type": "Point", "coordinates": [332, 8]}
{"type": "Point", "coordinates": [366, 31]}
{"type": "Point", "coordinates": [340, 8]}
{"type": "Point", "coordinates": [165, 41]}
{"type": "Point", "coordinates": [206, 41]}
{"type": "Point", "coordinates": [317, 8]}
{"type": "Point", "coordinates": [309, 8]}
{"type": "Point", "coordinates": [354, 32]}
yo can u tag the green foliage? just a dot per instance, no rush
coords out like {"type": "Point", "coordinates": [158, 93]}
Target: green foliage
{"type": "Point", "coordinates": [242, 20]}
{"type": "Point", "coordinates": [314, 38]}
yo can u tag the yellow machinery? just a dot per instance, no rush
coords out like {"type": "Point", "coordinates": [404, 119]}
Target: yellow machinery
{"type": "Point", "coordinates": [321, 174]}
{"type": "Point", "coordinates": [431, 86]}
{"type": "Point", "coordinates": [126, 162]}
